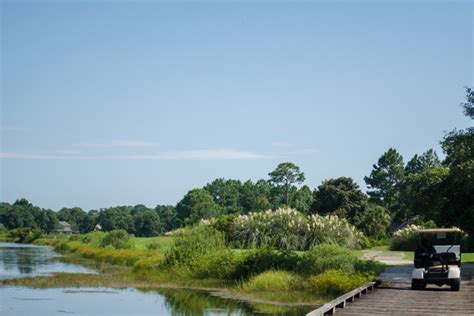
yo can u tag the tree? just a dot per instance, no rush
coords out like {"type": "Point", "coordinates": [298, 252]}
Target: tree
{"type": "Point", "coordinates": [168, 216]}
{"type": "Point", "coordinates": [420, 193]}
{"type": "Point", "coordinates": [254, 196]}
{"type": "Point", "coordinates": [226, 193]}
{"type": "Point", "coordinates": [384, 181]}
{"type": "Point", "coordinates": [375, 220]}
{"type": "Point", "coordinates": [341, 197]}
{"type": "Point", "coordinates": [74, 216]}
{"type": "Point", "coordinates": [458, 187]}
{"type": "Point", "coordinates": [427, 160]}
{"type": "Point", "coordinates": [197, 204]}
{"type": "Point", "coordinates": [118, 217]}
{"type": "Point", "coordinates": [48, 221]}
{"type": "Point", "coordinates": [302, 199]}
{"type": "Point", "coordinates": [147, 223]}
{"type": "Point", "coordinates": [469, 104]}
{"type": "Point", "coordinates": [285, 175]}
{"type": "Point", "coordinates": [138, 208]}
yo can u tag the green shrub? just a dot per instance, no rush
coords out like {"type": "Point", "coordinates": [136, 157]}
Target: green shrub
{"type": "Point", "coordinates": [288, 229]}
{"type": "Point", "coordinates": [263, 259]}
{"type": "Point", "coordinates": [273, 280]}
{"type": "Point", "coordinates": [324, 257]}
{"type": "Point", "coordinates": [406, 238]}
{"type": "Point", "coordinates": [147, 264]}
{"type": "Point", "coordinates": [153, 246]}
{"type": "Point", "coordinates": [25, 234]}
{"type": "Point", "coordinates": [119, 239]}
{"type": "Point", "coordinates": [221, 264]}
{"type": "Point", "coordinates": [194, 243]}
{"type": "Point", "coordinates": [336, 282]}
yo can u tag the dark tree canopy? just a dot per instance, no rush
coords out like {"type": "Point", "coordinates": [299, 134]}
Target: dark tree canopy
{"type": "Point", "coordinates": [147, 223]}
{"type": "Point", "coordinates": [226, 193]}
{"type": "Point", "coordinates": [384, 180]}
{"type": "Point", "coordinates": [428, 160]}
{"type": "Point", "coordinates": [341, 197]}
{"type": "Point", "coordinates": [197, 204]}
{"type": "Point", "coordinates": [118, 217]}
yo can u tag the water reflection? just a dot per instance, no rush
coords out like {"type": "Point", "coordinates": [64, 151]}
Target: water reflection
{"type": "Point", "coordinates": [17, 260]}
{"type": "Point", "coordinates": [128, 301]}
{"type": "Point", "coordinates": [193, 302]}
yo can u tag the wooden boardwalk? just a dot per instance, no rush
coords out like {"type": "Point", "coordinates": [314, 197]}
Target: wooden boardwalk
{"type": "Point", "coordinates": [399, 299]}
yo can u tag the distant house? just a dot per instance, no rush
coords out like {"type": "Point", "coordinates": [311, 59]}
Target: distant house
{"type": "Point", "coordinates": [64, 228]}
{"type": "Point", "coordinates": [97, 227]}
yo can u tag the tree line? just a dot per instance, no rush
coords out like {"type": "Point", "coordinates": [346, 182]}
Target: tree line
{"type": "Point", "coordinates": [423, 190]}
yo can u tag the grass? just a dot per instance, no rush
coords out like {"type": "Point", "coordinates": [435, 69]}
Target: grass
{"type": "Point", "coordinates": [164, 242]}
{"type": "Point", "coordinates": [143, 266]}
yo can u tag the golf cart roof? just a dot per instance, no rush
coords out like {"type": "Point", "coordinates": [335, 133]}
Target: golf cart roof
{"type": "Point", "coordinates": [440, 230]}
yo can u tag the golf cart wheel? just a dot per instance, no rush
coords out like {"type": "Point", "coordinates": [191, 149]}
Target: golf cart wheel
{"type": "Point", "coordinates": [455, 284]}
{"type": "Point", "coordinates": [417, 284]}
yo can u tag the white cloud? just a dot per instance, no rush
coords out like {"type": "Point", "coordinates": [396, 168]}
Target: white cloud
{"type": "Point", "coordinates": [117, 143]}
{"type": "Point", "coordinates": [196, 154]}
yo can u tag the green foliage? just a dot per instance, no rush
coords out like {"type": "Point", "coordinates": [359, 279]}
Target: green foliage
{"type": "Point", "coordinates": [374, 221]}
{"type": "Point", "coordinates": [273, 280]}
{"type": "Point", "coordinates": [119, 239]}
{"type": "Point", "coordinates": [227, 194]}
{"type": "Point", "coordinates": [384, 181]}
{"type": "Point", "coordinates": [114, 218]}
{"type": "Point", "coordinates": [194, 243]}
{"type": "Point", "coordinates": [197, 204]}
{"type": "Point", "coordinates": [220, 264]}
{"type": "Point", "coordinates": [147, 223]}
{"type": "Point", "coordinates": [341, 197]}
{"type": "Point", "coordinates": [335, 282]}
{"type": "Point", "coordinates": [285, 175]}
{"type": "Point", "coordinates": [427, 160]}
{"type": "Point", "coordinates": [324, 257]}
{"type": "Point", "coordinates": [302, 199]}
{"type": "Point", "coordinates": [25, 234]}
{"type": "Point", "coordinates": [406, 238]}
{"type": "Point", "coordinates": [420, 193]}
{"type": "Point", "coordinates": [168, 217]}
{"type": "Point", "coordinates": [75, 216]}
{"type": "Point", "coordinates": [153, 246]}
{"type": "Point", "coordinates": [289, 229]}
{"type": "Point", "coordinates": [263, 259]}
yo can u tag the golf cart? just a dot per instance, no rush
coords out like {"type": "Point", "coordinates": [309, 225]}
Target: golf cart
{"type": "Point", "coordinates": [438, 258]}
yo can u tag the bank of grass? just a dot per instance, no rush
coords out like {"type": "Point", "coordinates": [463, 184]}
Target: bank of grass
{"type": "Point", "coordinates": [200, 260]}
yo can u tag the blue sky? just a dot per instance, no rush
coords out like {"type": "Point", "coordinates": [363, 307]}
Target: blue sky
{"type": "Point", "coordinates": [109, 103]}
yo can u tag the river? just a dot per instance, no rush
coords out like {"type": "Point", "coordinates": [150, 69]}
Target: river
{"type": "Point", "coordinates": [18, 260]}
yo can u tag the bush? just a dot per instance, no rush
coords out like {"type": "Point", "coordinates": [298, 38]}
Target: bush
{"type": "Point", "coordinates": [288, 229]}
{"type": "Point", "coordinates": [325, 257]}
{"type": "Point", "coordinates": [260, 260]}
{"type": "Point", "coordinates": [220, 264]}
{"type": "Point", "coordinates": [273, 281]}
{"type": "Point", "coordinates": [336, 282]}
{"type": "Point", "coordinates": [194, 243]}
{"type": "Point", "coordinates": [406, 238]}
{"type": "Point", "coordinates": [119, 239]}
{"type": "Point", "coordinates": [153, 246]}
{"type": "Point", "coordinates": [25, 234]}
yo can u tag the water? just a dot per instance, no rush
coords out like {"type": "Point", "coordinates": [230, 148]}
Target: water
{"type": "Point", "coordinates": [27, 260]}
{"type": "Point", "coordinates": [24, 260]}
